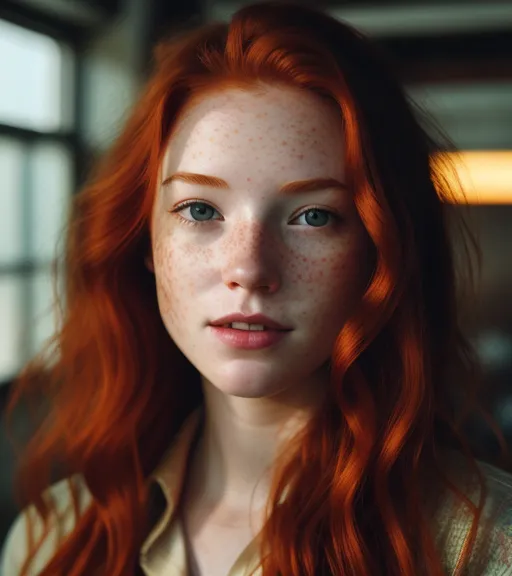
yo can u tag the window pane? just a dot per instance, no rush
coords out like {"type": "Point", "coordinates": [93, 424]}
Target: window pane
{"type": "Point", "coordinates": [11, 337]}
{"type": "Point", "coordinates": [50, 193]}
{"type": "Point", "coordinates": [11, 201]}
{"type": "Point", "coordinates": [42, 324]}
{"type": "Point", "coordinates": [31, 70]}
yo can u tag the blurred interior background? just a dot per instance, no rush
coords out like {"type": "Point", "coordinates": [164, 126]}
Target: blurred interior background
{"type": "Point", "coordinates": [71, 69]}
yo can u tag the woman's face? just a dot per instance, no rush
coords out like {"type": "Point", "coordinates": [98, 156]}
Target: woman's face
{"type": "Point", "coordinates": [245, 246]}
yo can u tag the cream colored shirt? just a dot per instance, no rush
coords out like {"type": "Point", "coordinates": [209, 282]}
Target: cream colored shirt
{"type": "Point", "coordinates": [164, 554]}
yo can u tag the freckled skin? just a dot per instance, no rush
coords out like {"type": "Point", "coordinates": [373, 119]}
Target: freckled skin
{"type": "Point", "coordinates": [258, 252]}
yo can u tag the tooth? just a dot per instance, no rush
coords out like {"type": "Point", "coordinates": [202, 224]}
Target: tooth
{"type": "Point", "coordinates": [240, 326]}
{"type": "Point", "coordinates": [245, 326]}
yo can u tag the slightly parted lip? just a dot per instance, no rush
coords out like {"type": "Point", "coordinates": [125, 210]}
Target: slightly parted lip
{"type": "Point", "coordinates": [251, 319]}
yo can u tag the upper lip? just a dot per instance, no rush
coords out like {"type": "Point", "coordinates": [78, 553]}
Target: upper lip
{"type": "Point", "coordinates": [252, 319]}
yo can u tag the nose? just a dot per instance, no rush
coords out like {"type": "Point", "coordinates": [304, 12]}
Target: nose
{"type": "Point", "coordinates": [251, 259]}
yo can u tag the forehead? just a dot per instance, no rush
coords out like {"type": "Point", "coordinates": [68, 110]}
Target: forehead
{"type": "Point", "coordinates": [264, 127]}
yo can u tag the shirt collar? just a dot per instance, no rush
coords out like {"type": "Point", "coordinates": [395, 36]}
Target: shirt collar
{"type": "Point", "coordinates": [166, 482]}
{"type": "Point", "coordinates": [170, 472]}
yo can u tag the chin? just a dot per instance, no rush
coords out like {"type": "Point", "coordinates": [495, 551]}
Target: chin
{"type": "Point", "coordinates": [247, 383]}
{"type": "Point", "coordinates": [244, 388]}
{"type": "Point", "coordinates": [240, 392]}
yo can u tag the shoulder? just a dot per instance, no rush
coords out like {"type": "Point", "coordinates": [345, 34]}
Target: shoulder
{"type": "Point", "coordinates": [15, 547]}
{"type": "Point", "coordinates": [494, 541]}
{"type": "Point", "coordinates": [492, 549]}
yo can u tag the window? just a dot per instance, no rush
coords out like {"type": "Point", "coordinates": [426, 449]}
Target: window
{"type": "Point", "coordinates": [37, 168]}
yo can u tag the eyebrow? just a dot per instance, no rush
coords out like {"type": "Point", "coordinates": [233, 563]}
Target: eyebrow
{"type": "Point", "coordinates": [295, 187]}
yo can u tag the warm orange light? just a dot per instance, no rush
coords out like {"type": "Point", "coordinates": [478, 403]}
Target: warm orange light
{"type": "Point", "coordinates": [484, 176]}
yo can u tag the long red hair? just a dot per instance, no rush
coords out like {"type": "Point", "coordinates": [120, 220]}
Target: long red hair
{"type": "Point", "coordinates": [115, 388]}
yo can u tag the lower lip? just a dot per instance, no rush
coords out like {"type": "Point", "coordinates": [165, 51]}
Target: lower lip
{"type": "Point", "coordinates": [248, 339]}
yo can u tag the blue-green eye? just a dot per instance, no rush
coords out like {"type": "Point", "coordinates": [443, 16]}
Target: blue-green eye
{"type": "Point", "coordinates": [316, 217]}
{"type": "Point", "coordinates": [199, 211]}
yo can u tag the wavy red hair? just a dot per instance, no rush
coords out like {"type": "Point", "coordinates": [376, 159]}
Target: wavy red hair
{"type": "Point", "coordinates": [113, 380]}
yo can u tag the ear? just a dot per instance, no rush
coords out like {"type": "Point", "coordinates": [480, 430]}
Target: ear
{"type": "Point", "coordinates": [148, 261]}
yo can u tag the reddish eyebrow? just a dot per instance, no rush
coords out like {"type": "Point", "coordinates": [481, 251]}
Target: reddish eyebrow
{"type": "Point", "coordinates": [313, 185]}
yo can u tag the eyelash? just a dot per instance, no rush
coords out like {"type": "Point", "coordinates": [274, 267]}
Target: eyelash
{"type": "Point", "coordinates": [188, 203]}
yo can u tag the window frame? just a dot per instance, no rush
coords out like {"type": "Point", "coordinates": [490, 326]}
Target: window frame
{"type": "Point", "coordinates": [73, 37]}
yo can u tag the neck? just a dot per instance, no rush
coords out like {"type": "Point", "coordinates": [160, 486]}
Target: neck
{"type": "Point", "coordinates": [233, 462]}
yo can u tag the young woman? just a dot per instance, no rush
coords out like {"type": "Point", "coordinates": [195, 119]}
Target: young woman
{"type": "Point", "coordinates": [260, 367]}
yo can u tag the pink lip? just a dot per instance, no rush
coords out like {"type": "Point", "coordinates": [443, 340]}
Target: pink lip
{"type": "Point", "coordinates": [250, 319]}
{"type": "Point", "coordinates": [248, 339]}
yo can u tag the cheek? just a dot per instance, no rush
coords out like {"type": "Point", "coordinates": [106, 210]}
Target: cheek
{"type": "Point", "coordinates": [178, 269]}
{"type": "Point", "coordinates": [333, 282]}
{"type": "Point", "coordinates": [339, 262]}
{"type": "Point", "coordinates": [347, 269]}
